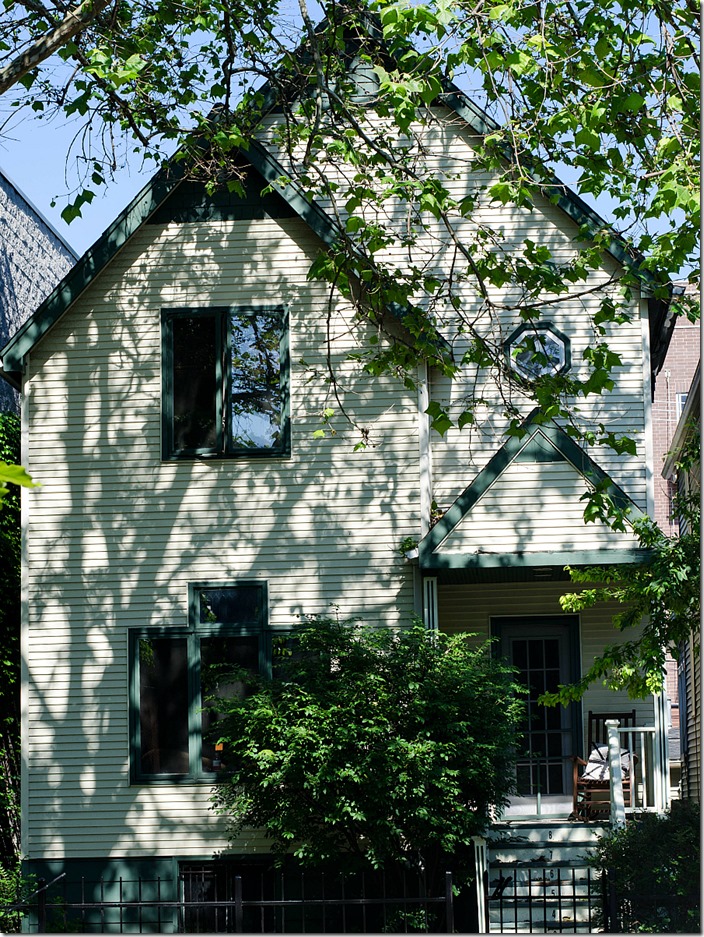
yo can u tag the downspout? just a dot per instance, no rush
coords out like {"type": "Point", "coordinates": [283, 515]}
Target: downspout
{"type": "Point", "coordinates": [425, 591]}
{"type": "Point", "coordinates": [424, 454]}
{"type": "Point", "coordinates": [647, 410]}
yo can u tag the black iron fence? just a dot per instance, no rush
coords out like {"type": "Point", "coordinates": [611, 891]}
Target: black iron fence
{"type": "Point", "coordinates": [209, 900]}
{"type": "Point", "coordinates": [536, 898]}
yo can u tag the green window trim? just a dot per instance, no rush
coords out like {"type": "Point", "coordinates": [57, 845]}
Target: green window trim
{"type": "Point", "coordinates": [527, 358]}
{"type": "Point", "coordinates": [175, 707]}
{"type": "Point", "coordinates": [223, 401]}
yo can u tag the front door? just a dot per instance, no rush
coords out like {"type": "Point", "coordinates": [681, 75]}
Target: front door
{"type": "Point", "coordinates": [544, 651]}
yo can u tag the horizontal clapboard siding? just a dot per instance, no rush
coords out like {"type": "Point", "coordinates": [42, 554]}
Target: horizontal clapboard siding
{"type": "Point", "coordinates": [469, 608]}
{"type": "Point", "coordinates": [448, 156]}
{"type": "Point", "coordinates": [532, 507]}
{"type": "Point", "coordinates": [115, 535]}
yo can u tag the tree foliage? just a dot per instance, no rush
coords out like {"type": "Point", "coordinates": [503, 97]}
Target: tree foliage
{"type": "Point", "coordinates": [605, 90]}
{"type": "Point", "coordinates": [653, 867]}
{"type": "Point", "coordinates": [10, 654]}
{"type": "Point", "coordinates": [379, 746]}
{"type": "Point", "coordinates": [659, 601]}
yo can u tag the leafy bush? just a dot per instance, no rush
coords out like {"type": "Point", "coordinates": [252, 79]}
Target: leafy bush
{"type": "Point", "coordinates": [372, 747]}
{"type": "Point", "coordinates": [653, 867]}
{"type": "Point", "coordinates": [9, 642]}
{"type": "Point", "coordinates": [14, 888]}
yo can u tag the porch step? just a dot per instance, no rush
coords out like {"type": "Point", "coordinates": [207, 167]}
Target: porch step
{"type": "Point", "coordinates": [540, 880]}
{"type": "Point", "coordinates": [546, 842]}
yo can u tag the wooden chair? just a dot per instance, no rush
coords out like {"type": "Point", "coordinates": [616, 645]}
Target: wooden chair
{"type": "Point", "coordinates": [591, 787]}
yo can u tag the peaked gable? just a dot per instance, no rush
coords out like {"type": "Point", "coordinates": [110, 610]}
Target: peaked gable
{"type": "Point", "coordinates": [145, 207]}
{"type": "Point", "coordinates": [148, 205]}
{"type": "Point", "coordinates": [491, 525]}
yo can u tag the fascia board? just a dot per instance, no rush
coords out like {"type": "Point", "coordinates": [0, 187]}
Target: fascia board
{"type": "Point", "coordinates": [606, 557]}
{"type": "Point", "coordinates": [88, 267]}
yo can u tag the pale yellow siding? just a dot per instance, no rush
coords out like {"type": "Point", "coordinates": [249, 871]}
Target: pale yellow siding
{"type": "Point", "coordinates": [115, 535]}
{"type": "Point", "coordinates": [448, 156]}
{"type": "Point", "coordinates": [469, 608]}
{"type": "Point", "coordinates": [532, 507]}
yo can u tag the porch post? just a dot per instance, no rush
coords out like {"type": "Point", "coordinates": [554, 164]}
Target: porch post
{"type": "Point", "coordinates": [661, 780]}
{"type": "Point", "coordinates": [481, 875]}
{"type": "Point", "coordinates": [618, 809]}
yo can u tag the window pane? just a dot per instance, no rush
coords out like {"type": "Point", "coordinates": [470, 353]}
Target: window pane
{"type": "Point", "coordinates": [255, 374]}
{"type": "Point", "coordinates": [232, 605]}
{"type": "Point", "coordinates": [224, 664]}
{"type": "Point", "coordinates": [163, 705]}
{"type": "Point", "coordinates": [194, 382]}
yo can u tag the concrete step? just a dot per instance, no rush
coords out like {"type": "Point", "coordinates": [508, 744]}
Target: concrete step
{"type": "Point", "coordinates": [540, 880]}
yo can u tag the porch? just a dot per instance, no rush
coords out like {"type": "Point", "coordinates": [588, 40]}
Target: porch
{"type": "Point", "coordinates": [539, 874]}
{"type": "Point", "coordinates": [636, 772]}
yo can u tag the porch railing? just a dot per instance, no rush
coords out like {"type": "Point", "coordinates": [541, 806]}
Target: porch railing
{"type": "Point", "coordinates": [649, 770]}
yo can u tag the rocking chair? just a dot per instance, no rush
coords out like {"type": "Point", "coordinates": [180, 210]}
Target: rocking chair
{"type": "Point", "coordinates": [591, 785]}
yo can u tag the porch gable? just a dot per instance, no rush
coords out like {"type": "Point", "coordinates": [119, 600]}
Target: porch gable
{"type": "Point", "coordinates": [525, 508]}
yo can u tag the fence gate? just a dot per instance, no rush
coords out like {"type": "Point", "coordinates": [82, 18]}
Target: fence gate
{"type": "Point", "coordinates": [532, 898]}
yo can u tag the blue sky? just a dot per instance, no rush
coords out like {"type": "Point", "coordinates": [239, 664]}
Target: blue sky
{"type": "Point", "coordinates": [33, 156]}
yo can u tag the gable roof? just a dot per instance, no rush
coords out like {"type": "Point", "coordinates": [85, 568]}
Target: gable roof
{"type": "Point", "coordinates": [145, 204]}
{"type": "Point", "coordinates": [452, 544]}
{"type": "Point", "coordinates": [149, 199]}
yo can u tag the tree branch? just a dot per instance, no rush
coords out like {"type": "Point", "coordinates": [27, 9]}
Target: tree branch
{"type": "Point", "coordinates": [74, 22]}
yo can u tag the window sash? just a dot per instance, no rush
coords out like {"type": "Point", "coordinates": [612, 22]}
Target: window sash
{"type": "Point", "coordinates": [224, 444]}
{"type": "Point", "coordinates": [197, 631]}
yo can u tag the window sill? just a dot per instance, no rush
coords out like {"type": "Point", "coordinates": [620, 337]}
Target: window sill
{"type": "Point", "coordinates": [258, 455]}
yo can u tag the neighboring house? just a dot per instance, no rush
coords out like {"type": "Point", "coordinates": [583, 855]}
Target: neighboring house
{"type": "Point", "coordinates": [671, 392]}
{"type": "Point", "coordinates": [33, 258]}
{"type": "Point", "coordinates": [189, 511]}
{"type": "Point", "coordinates": [688, 483]}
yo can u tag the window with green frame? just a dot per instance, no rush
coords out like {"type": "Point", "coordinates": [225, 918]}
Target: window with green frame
{"type": "Point", "coordinates": [174, 672]}
{"type": "Point", "coordinates": [225, 382]}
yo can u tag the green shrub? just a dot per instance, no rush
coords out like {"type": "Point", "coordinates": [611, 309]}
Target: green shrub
{"type": "Point", "coordinates": [372, 746]}
{"type": "Point", "coordinates": [14, 888]}
{"type": "Point", "coordinates": [653, 867]}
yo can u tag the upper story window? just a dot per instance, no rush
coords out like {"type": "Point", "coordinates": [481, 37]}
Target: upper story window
{"type": "Point", "coordinates": [680, 401]}
{"type": "Point", "coordinates": [537, 349]}
{"type": "Point", "coordinates": [225, 381]}
{"type": "Point", "coordinates": [175, 672]}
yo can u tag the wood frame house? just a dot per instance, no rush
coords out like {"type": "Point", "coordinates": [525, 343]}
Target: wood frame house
{"type": "Point", "coordinates": [173, 524]}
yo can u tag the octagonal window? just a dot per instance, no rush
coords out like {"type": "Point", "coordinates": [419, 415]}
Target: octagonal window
{"type": "Point", "coordinates": [535, 349]}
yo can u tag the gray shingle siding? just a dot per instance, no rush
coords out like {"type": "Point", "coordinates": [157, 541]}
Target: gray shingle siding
{"type": "Point", "coordinates": [33, 258]}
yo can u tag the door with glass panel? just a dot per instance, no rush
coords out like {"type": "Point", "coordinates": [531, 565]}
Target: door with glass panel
{"type": "Point", "coordinates": [544, 651]}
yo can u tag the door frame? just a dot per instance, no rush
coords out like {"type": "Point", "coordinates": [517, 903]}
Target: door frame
{"type": "Point", "coordinates": [499, 624]}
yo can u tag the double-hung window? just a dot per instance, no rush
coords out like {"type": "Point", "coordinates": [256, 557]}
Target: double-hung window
{"type": "Point", "coordinates": [225, 382]}
{"type": "Point", "coordinates": [176, 672]}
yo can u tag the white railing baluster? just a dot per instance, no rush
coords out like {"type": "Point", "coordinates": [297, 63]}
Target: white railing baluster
{"type": "Point", "coordinates": [649, 786]}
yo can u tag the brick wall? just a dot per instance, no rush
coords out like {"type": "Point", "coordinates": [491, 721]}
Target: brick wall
{"type": "Point", "coordinates": [674, 379]}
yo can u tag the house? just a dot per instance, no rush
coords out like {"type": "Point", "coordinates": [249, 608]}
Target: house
{"type": "Point", "coordinates": [189, 509]}
{"type": "Point", "coordinates": [671, 393]}
{"type": "Point", "coordinates": [687, 482]}
{"type": "Point", "coordinates": [33, 258]}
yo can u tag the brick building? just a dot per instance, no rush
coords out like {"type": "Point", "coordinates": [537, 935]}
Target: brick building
{"type": "Point", "coordinates": [671, 389]}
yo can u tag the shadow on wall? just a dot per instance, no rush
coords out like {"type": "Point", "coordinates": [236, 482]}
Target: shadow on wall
{"type": "Point", "coordinates": [116, 535]}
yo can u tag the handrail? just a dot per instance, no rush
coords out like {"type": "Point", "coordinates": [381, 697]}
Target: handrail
{"type": "Point", "coordinates": [649, 789]}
